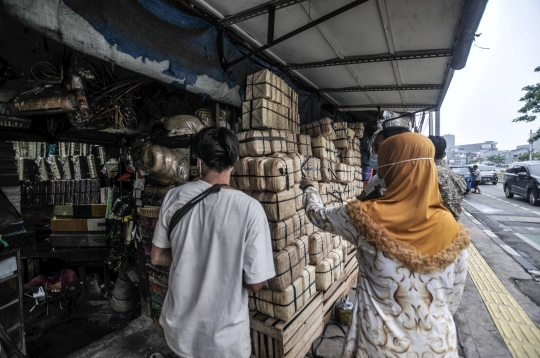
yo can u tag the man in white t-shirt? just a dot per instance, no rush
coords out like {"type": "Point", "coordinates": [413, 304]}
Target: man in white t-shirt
{"type": "Point", "coordinates": [218, 249]}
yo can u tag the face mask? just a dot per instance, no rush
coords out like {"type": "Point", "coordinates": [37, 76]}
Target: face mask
{"type": "Point", "coordinates": [382, 184]}
{"type": "Point", "coordinates": [199, 165]}
{"type": "Point", "coordinates": [373, 161]}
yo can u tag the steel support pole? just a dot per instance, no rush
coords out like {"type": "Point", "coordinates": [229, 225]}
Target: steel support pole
{"type": "Point", "coordinates": [271, 23]}
{"type": "Point", "coordinates": [437, 123]}
{"type": "Point", "coordinates": [298, 31]}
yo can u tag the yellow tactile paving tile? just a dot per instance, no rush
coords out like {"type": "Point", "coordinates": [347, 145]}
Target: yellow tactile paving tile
{"type": "Point", "coordinates": [518, 331]}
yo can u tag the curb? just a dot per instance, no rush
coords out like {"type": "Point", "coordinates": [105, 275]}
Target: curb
{"type": "Point", "coordinates": [527, 266]}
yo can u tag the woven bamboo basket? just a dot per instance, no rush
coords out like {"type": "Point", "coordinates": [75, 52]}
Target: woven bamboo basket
{"type": "Point", "coordinates": [348, 249]}
{"type": "Point", "coordinates": [327, 170]}
{"type": "Point", "coordinates": [297, 159]}
{"type": "Point", "coordinates": [320, 245]}
{"type": "Point", "coordinates": [358, 129]}
{"type": "Point", "coordinates": [264, 114]}
{"type": "Point", "coordinates": [323, 192]}
{"type": "Point", "coordinates": [324, 127]}
{"type": "Point", "coordinates": [344, 173]}
{"type": "Point", "coordinates": [337, 241]}
{"type": "Point", "coordinates": [279, 173]}
{"type": "Point", "coordinates": [308, 282]}
{"type": "Point", "coordinates": [281, 305]}
{"type": "Point", "coordinates": [337, 256]}
{"type": "Point", "coordinates": [278, 142]}
{"type": "Point", "coordinates": [299, 196]}
{"type": "Point", "coordinates": [265, 84]}
{"type": "Point", "coordinates": [285, 142]}
{"type": "Point", "coordinates": [319, 147]}
{"type": "Point", "coordinates": [340, 131]}
{"type": "Point", "coordinates": [324, 276]}
{"type": "Point", "coordinates": [286, 264]}
{"type": "Point", "coordinates": [311, 168]}
{"type": "Point", "coordinates": [256, 174]}
{"type": "Point", "coordinates": [242, 174]}
{"type": "Point", "coordinates": [341, 143]}
{"type": "Point", "coordinates": [350, 157]}
{"type": "Point", "coordinates": [277, 206]}
{"type": "Point", "coordinates": [357, 173]}
{"type": "Point", "coordinates": [356, 144]}
{"type": "Point", "coordinates": [282, 233]}
{"type": "Point", "coordinates": [310, 229]}
{"type": "Point", "coordinates": [298, 222]}
{"type": "Point", "coordinates": [149, 211]}
{"type": "Point", "coordinates": [304, 144]}
{"type": "Point", "coordinates": [302, 247]}
{"type": "Point", "coordinates": [254, 143]}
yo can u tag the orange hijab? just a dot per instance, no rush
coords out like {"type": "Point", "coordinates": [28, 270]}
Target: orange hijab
{"type": "Point", "coordinates": [411, 209]}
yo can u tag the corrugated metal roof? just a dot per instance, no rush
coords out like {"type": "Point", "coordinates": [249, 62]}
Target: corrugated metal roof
{"type": "Point", "coordinates": [386, 28]}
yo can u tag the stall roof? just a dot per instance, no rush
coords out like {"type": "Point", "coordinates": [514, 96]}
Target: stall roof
{"type": "Point", "coordinates": [361, 55]}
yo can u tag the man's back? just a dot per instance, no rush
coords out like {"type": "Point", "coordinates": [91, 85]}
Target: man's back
{"type": "Point", "coordinates": [221, 241]}
{"type": "Point", "coordinates": [452, 188]}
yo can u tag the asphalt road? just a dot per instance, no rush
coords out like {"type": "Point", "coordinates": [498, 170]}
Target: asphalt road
{"type": "Point", "coordinates": [513, 222]}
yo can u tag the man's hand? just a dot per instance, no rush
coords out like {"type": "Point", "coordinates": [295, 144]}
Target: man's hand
{"type": "Point", "coordinates": [305, 182]}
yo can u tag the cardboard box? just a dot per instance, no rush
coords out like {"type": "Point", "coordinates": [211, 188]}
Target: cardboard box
{"type": "Point", "coordinates": [77, 225]}
{"type": "Point", "coordinates": [81, 211]}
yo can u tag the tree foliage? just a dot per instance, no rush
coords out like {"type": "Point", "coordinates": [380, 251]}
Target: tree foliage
{"type": "Point", "coordinates": [499, 158]}
{"type": "Point", "coordinates": [523, 156]}
{"type": "Point", "coordinates": [531, 107]}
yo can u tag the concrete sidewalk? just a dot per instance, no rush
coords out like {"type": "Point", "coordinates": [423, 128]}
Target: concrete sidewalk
{"type": "Point", "coordinates": [478, 335]}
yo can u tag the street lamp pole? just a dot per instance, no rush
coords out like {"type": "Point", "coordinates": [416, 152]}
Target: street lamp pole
{"type": "Point", "coordinates": [530, 145]}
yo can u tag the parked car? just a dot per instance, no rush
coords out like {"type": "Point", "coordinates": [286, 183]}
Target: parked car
{"type": "Point", "coordinates": [523, 179]}
{"type": "Point", "coordinates": [465, 173]}
{"type": "Point", "coordinates": [489, 174]}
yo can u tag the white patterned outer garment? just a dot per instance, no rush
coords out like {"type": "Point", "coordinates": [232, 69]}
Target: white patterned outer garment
{"type": "Point", "coordinates": [398, 313]}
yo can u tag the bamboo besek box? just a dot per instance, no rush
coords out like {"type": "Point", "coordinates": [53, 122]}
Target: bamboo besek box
{"type": "Point", "coordinates": [78, 224]}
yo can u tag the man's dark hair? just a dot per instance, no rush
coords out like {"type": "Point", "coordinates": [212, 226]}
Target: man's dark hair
{"type": "Point", "coordinates": [392, 131]}
{"type": "Point", "coordinates": [217, 147]}
{"type": "Point", "coordinates": [440, 145]}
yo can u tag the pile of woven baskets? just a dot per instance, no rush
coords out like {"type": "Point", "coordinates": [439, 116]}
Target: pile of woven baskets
{"type": "Point", "coordinates": [275, 155]}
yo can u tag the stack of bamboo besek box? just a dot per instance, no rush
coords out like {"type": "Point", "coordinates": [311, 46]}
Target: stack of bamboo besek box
{"type": "Point", "coordinates": [275, 153]}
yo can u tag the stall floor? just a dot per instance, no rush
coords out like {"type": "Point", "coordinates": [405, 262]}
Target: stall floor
{"type": "Point", "coordinates": [57, 333]}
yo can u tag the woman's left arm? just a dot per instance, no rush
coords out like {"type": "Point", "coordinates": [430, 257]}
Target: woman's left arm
{"type": "Point", "coordinates": [333, 219]}
{"type": "Point", "coordinates": [460, 276]}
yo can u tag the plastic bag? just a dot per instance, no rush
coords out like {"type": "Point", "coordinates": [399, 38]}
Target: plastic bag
{"type": "Point", "coordinates": [166, 162]}
{"type": "Point", "coordinates": [182, 124]}
{"type": "Point", "coordinates": [344, 309]}
{"type": "Point", "coordinates": [8, 212]}
{"type": "Point", "coordinates": [205, 115]}
{"type": "Point", "coordinates": [123, 207]}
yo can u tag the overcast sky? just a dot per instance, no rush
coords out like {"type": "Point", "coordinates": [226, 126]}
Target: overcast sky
{"type": "Point", "coordinates": [483, 98]}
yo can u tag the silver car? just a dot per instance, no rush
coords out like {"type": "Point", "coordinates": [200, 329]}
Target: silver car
{"type": "Point", "coordinates": [489, 175]}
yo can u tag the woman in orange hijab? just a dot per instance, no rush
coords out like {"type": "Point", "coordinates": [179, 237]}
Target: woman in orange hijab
{"type": "Point", "coordinates": [411, 252]}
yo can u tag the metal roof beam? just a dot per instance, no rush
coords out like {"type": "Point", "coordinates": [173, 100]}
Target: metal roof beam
{"type": "Point", "coordinates": [297, 31]}
{"type": "Point", "coordinates": [382, 88]}
{"type": "Point", "coordinates": [400, 56]}
{"type": "Point", "coordinates": [257, 11]}
{"type": "Point", "coordinates": [397, 105]}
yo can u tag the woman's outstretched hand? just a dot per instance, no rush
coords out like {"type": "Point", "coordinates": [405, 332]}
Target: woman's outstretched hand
{"type": "Point", "coordinates": [305, 182]}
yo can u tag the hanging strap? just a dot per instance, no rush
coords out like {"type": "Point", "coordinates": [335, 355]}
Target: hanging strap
{"type": "Point", "coordinates": [180, 213]}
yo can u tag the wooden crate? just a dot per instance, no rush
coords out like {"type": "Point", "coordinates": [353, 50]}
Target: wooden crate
{"type": "Point", "coordinates": [272, 338]}
{"type": "Point", "coordinates": [340, 288]}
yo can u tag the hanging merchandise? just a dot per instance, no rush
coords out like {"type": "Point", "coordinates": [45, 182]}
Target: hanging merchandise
{"type": "Point", "coordinates": [167, 163]}
{"type": "Point", "coordinates": [117, 250]}
{"type": "Point", "coordinates": [182, 125]}
{"type": "Point", "coordinates": [205, 115]}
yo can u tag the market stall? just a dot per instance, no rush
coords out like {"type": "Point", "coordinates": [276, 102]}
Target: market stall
{"type": "Point", "coordinates": [97, 110]}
